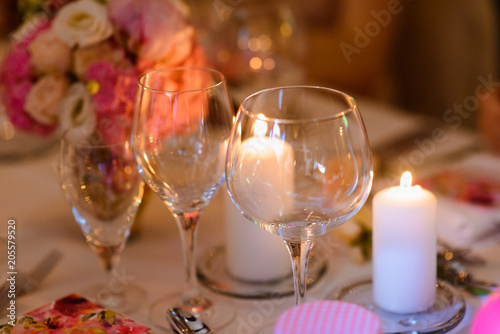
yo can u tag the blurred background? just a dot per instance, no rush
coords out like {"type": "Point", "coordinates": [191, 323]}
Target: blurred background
{"type": "Point", "coordinates": [423, 56]}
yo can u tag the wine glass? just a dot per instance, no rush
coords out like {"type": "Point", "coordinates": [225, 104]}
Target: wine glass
{"type": "Point", "coordinates": [182, 123]}
{"type": "Point", "coordinates": [103, 186]}
{"type": "Point", "coordinates": [298, 165]}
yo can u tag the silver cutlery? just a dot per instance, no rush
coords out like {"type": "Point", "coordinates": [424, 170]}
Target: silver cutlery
{"type": "Point", "coordinates": [184, 322]}
{"type": "Point", "coordinates": [21, 283]}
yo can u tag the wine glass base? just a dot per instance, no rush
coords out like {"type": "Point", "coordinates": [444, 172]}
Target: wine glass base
{"type": "Point", "coordinates": [128, 300]}
{"type": "Point", "coordinates": [213, 274]}
{"type": "Point", "coordinates": [446, 313]}
{"type": "Point", "coordinates": [215, 316]}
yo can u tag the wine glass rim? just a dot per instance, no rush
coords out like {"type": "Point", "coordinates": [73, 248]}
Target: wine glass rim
{"type": "Point", "coordinates": [352, 101]}
{"type": "Point", "coordinates": [221, 81]}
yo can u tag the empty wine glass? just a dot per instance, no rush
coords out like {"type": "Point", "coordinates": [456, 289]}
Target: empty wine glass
{"type": "Point", "coordinates": [299, 165]}
{"type": "Point", "coordinates": [103, 186]}
{"type": "Point", "coordinates": [182, 122]}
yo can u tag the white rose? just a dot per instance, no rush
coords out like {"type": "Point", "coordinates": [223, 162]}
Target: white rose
{"type": "Point", "coordinates": [76, 113]}
{"type": "Point", "coordinates": [43, 99]}
{"type": "Point", "coordinates": [49, 53]}
{"type": "Point", "coordinates": [82, 23]}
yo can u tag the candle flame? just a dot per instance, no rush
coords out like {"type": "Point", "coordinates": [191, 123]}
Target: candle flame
{"type": "Point", "coordinates": [406, 180]}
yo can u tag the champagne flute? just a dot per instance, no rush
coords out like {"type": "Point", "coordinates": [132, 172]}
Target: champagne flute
{"type": "Point", "coordinates": [298, 165]}
{"type": "Point", "coordinates": [103, 186]}
{"type": "Point", "coordinates": [182, 122]}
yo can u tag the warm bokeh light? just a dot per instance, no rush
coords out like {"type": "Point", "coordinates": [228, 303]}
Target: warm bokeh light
{"type": "Point", "coordinates": [266, 42]}
{"type": "Point", "coordinates": [269, 64]}
{"type": "Point", "coordinates": [255, 63]}
{"type": "Point", "coordinates": [254, 44]}
{"type": "Point", "coordinates": [286, 29]}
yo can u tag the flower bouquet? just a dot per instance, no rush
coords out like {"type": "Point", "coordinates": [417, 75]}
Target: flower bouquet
{"type": "Point", "coordinates": [74, 64]}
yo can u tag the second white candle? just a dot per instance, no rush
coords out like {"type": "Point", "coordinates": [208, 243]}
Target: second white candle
{"type": "Point", "coordinates": [254, 254]}
{"type": "Point", "coordinates": [404, 248]}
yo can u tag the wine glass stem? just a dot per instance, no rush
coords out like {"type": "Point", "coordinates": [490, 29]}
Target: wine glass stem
{"type": "Point", "coordinates": [112, 293]}
{"type": "Point", "coordinates": [299, 253]}
{"type": "Point", "coordinates": [187, 223]}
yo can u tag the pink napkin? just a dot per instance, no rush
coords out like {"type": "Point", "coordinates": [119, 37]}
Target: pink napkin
{"type": "Point", "coordinates": [328, 317]}
{"type": "Point", "coordinates": [486, 319]}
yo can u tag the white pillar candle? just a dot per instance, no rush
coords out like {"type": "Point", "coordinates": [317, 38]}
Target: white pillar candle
{"type": "Point", "coordinates": [404, 248]}
{"type": "Point", "coordinates": [252, 253]}
{"type": "Point", "coordinates": [266, 168]}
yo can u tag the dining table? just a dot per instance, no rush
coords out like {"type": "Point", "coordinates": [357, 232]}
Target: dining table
{"type": "Point", "coordinates": [31, 198]}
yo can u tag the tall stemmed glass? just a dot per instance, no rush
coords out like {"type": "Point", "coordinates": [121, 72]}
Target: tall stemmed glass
{"type": "Point", "coordinates": [299, 165]}
{"type": "Point", "coordinates": [182, 123]}
{"type": "Point", "coordinates": [103, 186]}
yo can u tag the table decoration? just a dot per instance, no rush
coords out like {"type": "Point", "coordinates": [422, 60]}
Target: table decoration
{"type": "Point", "coordinates": [72, 314]}
{"type": "Point", "coordinates": [404, 247]}
{"type": "Point", "coordinates": [74, 64]}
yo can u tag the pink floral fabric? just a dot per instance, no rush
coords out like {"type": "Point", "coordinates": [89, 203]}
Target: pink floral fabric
{"type": "Point", "coordinates": [76, 315]}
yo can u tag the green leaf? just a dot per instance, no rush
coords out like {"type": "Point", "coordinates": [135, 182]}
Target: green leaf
{"type": "Point", "coordinates": [477, 291]}
{"type": "Point", "coordinates": [28, 8]}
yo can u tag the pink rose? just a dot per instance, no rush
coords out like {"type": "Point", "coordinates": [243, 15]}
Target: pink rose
{"type": "Point", "coordinates": [104, 73]}
{"type": "Point", "coordinates": [115, 85]}
{"type": "Point", "coordinates": [16, 66]}
{"type": "Point", "coordinates": [126, 90]}
{"type": "Point", "coordinates": [156, 29]}
{"type": "Point", "coordinates": [115, 99]}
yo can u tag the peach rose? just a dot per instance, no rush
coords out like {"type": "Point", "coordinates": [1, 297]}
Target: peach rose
{"type": "Point", "coordinates": [83, 58]}
{"type": "Point", "coordinates": [42, 101]}
{"type": "Point", "coordinates": [48, 53]}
